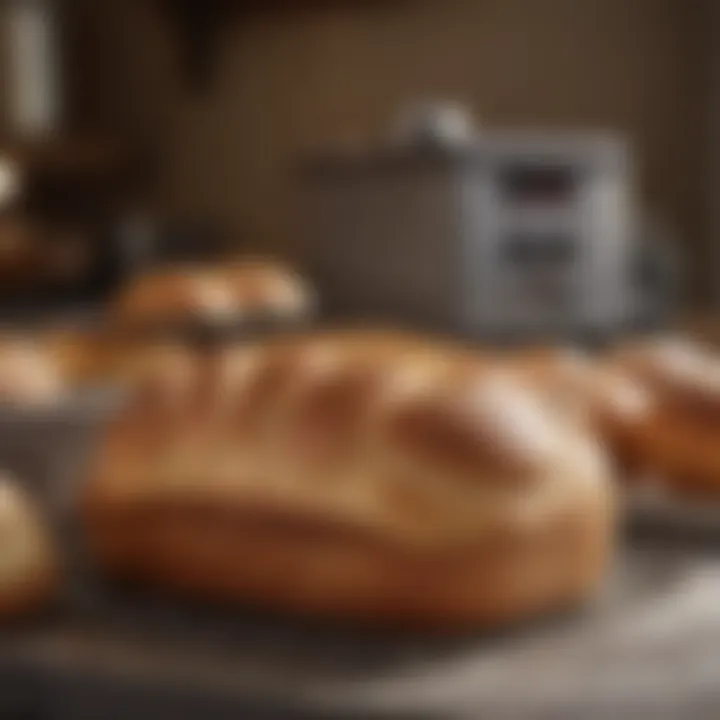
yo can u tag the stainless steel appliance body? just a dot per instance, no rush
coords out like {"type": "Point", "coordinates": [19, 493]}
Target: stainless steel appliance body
{"type": "Point", "coordinates": [514, 234]}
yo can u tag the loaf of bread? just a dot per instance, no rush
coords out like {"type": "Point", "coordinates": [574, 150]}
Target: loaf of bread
{"type": "Point", "coordinates": [28, 565]}
{"type": "Point", "coordinates": [681, 439]}
{"type": "Point", "coordinates": [212, 294]}
{"type": "Point", "coordinates": [354, 475]}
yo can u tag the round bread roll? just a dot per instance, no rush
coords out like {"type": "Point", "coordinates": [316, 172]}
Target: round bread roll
{"type": "Point", "coordinates": [29, 375]}
{"type": "Point", "coordinates": [238, 291]}
{"type": "Point", "coordinates": [681, 440]}
{"type": "Point", "coordinates": [175, 295]}
{"type": "Point", "coordinates": [267, 289]}
{"type": "Point", "coordinates": [356, 477]}
{"type": "Point", "coordinates": [28, 566]}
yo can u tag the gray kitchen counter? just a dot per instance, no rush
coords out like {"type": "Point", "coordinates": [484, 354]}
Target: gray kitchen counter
{"type": "Point", "coordinates": [648, 648]}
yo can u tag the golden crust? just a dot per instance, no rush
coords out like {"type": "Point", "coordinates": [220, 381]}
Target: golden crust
{"type": "Point", "coordinates": [680, 442]}
{"type": "Point", "coordinates": [236, 291]}
{"type": "Point", "coordinates": [41, 366]}
{"type": "Point", "coordinates": [172, 295]}
{"type": "Point", "coordinates": [30, 374]}
{"type": "Point", "coordinates": [616, 403]}
{"type": "Point", "coordinates": [357, 475]}
{"type": "Point", "coordinates": [315, 567]}
{"type": "Point", "coordinates": [265, 287]}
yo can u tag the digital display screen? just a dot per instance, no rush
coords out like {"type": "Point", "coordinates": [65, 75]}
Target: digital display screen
{"type": "Point", "coordinates": [538, 184]}
{"type": "Point", "coordinates": [542, 268]}
{"type": "Point", "coordinates": [539, 249]}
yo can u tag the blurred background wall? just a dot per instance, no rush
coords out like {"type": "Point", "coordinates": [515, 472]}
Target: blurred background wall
{"type": "Point", "coordinates": [288, 80]}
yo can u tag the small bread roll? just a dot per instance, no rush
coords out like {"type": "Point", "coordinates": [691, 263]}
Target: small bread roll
{"type": "Point", "coordinates": [28, 565]}
{"type": "Point", "coordinates": [238, 291]}
{"type": "Point", "coordinates": [266, 289]}
{"type": "Point", "coordinates": [681, 439]}
{"type": "Point", "coordinates": [29, 375]}
{"type": "Point", "coordinates": [175, 295]}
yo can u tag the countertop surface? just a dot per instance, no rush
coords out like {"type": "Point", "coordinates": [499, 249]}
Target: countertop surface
{"type": "Point", "coordinates": [647, 648]}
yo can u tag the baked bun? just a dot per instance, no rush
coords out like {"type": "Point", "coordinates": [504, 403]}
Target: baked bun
{"type": "Point", "coordinates": [30, 375]}
{"type": "Point", "coordinates": [175, 295]}
{"type": "Point", "coordinates": [681, 442]}
{"type": "Point", "coordinates": [28, 567]}
{"type": "Point", "coordinates": [358, 476]}
{"type": "Point", "coordinates": [615, 403]}
{"type": "Point", "coordinates": [213, 294]}
{"type": "Point", "coordinates": [268, 289]}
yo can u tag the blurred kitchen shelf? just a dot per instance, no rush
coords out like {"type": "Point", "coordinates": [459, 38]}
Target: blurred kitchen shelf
{"type": "Point", "coordinates": [73, 177]}
{"type": "Point", "coordinates": [66, 156]}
